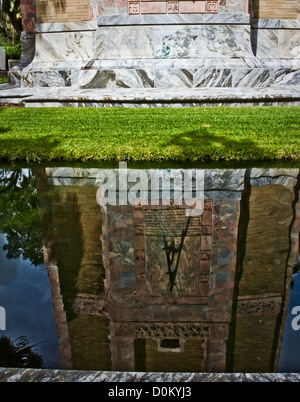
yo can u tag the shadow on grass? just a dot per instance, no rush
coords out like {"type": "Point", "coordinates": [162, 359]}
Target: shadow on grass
{"type": "Point", "coordinates": [28, 149]}
{"type": "Point", "coordinates": [223, 144]}
{"type": "Point", "coordinates": [4, 130]}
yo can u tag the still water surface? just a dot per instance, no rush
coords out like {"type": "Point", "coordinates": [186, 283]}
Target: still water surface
{"type": "Point", "coordinates": [146, 288]}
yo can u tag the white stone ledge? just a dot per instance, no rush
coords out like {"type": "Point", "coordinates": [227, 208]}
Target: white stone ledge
{"type": "Point", "coordinates": [66, 27]}
{"type": "Point", "coordinates": [275, 24]}
{"type": "Point", "coordinates": [174, 19]}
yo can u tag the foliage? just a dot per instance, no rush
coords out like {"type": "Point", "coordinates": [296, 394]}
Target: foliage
{"type": "Point", "coordinates": [10, 18]}
{"type": "Point", "coordinates": [12, 50]}
{"type": "Point", "coordinates": [153, 134]}
{"type": "Point", "coordinates": [19, 218]}
{"type": "Point", "coordinates": [3, 79]}
{"type": "Point", "coordinates": [18, 353]}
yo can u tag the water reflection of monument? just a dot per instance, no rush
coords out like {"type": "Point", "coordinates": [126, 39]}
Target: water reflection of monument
{"type": "Point", "coordinates": [118, 307]}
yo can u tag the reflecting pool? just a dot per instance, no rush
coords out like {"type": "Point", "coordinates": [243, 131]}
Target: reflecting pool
{"type": "Point", "coordinates": [120, 269]}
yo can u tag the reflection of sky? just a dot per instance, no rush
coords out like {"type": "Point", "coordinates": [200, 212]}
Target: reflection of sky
{"type": "Point", "coordinates": [290, 352]}
{"type": "Point", "coordinates": [26, 296]}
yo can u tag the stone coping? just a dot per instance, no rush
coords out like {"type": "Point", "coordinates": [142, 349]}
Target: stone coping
{"type": "Point", "coordinates": [173, 19]}
{"type": "Point", "coordinates": [275, 23]}
{"type": "Point", "coordinates": [49, 375]}
{"type": "Point", "coordinates": [207, 19]}
{"type": "Point", "coordinates": [66, 27]}
{"type": "Point", "coordinates": [148, 97]}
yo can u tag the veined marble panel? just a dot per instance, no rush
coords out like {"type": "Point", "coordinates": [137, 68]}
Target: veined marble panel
{"type": "Point", "coordinates": [211, 62]}
{"type": "Point", "coordinates": [174, 19]}
{"type": "Point", "coordinates": [52, 78]}
{"type": "Point", "coordinates": [233, 6]}
{"type": "Point", "coordinates": [276, 43]}
{"type": "Point", "coordinates": [265, 43]}
{"type": "Point", "coordinates": [66, 26]}
{"type": "Point", "coordinates": [173, 78]}
{"type": "Point", "coordinates": [289, 43]}
{"type": "Point", "coordinates": [275, 23]}
{"type": "Point", "coordinates": [149, 63]}
{"type": "Point", "coordinates": [27, 80]}
{"type": "Point", "coordinates": [130, 78]}
{"type": "Point", "coordinates": [252, 78]}
{"type": "Point", "coordinates": [124, 42]}
{"type": "Point", "coordinates": [290, 24]}
{"type": "Point", "coordinates": [287, 76]}
{"type": "Point", "coordinates": [97, 79]}
{"type": "Point", "coordinates": [64, 46]}
{"type": "Point", "coordinates": [265, 23]}
{"type": "Point", "coordinates": [224, 41]}
{"type": "Point", "coordinates": [56, 65]}
{"type": "Point", "coordinates": [176, 42]}
{"type": "Point", "coordinates": [213, 77]}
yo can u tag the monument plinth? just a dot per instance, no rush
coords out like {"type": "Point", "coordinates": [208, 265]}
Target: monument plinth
{"type": "Point", "coordinates": [142, 44]}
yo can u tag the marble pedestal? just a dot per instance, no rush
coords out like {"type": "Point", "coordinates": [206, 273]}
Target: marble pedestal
{"type": "Point", "coordinates": [184, 51]}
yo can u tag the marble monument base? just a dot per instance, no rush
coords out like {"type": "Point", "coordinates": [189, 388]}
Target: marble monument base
{"type": "Point", "coordinates": [158, 60]}
{"type": "Point", "coordinates": [166, 51]}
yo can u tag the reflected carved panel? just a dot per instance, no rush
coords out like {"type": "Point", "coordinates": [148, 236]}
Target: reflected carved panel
{"type": "Point", "coordinates": [172, 330]}
{"type": "Point", "coordinates": [172, 254]}
{"type": "Point", "coordinates": [259, 306]}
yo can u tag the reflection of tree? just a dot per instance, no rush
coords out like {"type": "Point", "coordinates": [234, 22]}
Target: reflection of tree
{"type": "Point", "coordinates": [19, 218]}
{"type": "Point", "coordinates": [18, 353]}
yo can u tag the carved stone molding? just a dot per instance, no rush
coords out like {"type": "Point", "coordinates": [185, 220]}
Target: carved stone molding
{"type": "Point", "coordinates": [163, 330]}
{"type": "Point", "coordinates": [173, 7]}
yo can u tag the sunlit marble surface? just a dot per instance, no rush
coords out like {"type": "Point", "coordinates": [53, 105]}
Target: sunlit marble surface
{"type": "Point", "coordinates": [173, 19]}
{"type": "Point", "coordinates": [286, 95]}
{"type": "Point", "coordinates": [32, 375]}
{"type": "Point", "coordinates": [165, 51]}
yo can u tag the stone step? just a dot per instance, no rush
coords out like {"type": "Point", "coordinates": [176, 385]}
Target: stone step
{"type": "Point", "coordinates": [133, 97]}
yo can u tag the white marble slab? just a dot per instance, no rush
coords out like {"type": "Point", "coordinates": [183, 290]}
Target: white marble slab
{"type": "Point", "coordinates": [173, 19]}
{"type": "Point", "coordinates": [124, 42]}
{"type": "Point", "coordinates": [173, 78]}
{"type": "Point", "coordinates": [66, 27]}
{"type": "Point", "coordinates": [289, 43]}
{"type": "Point", "coordinates": [69, 46]}
{"type": "Point", "coordinates": [175, 42]}
{"type": "Point", "coordinates": [224, 41]}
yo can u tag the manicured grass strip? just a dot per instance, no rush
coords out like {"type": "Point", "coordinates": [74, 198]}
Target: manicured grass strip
{"type": "Point", "coordinates": [158, 134]}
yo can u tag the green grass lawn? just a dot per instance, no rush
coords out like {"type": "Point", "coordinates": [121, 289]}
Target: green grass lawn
{"type": "Point", "coordinates": [3, 80]}
{"type": "Point", "coordinates": [159, 134]}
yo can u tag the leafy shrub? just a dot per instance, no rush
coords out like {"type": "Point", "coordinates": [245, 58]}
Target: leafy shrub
{"type": "Point", "coordinates": [12, 50]}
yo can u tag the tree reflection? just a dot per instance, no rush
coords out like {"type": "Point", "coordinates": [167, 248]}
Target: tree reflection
{"type": "Point", "coordinates": [19, 217]}
{"type": "Point", "coordinates": [18, 353]}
